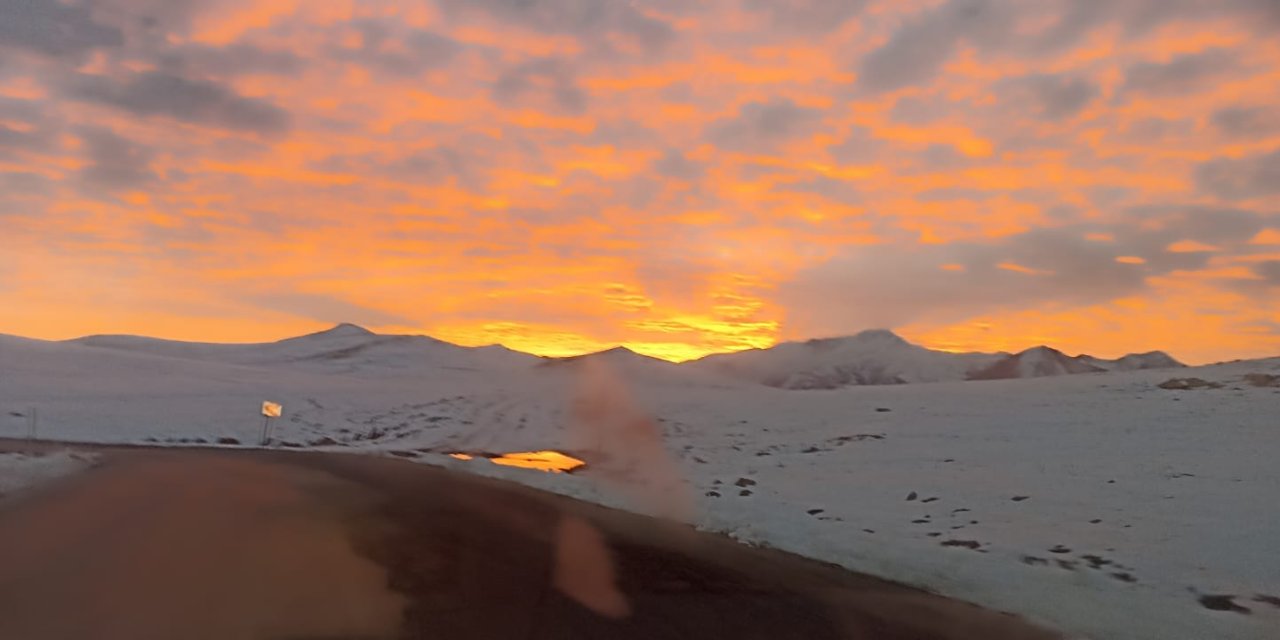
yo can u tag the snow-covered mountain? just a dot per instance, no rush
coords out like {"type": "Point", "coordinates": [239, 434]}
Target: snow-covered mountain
{"type": "Point", "coordinates": [869, 358]}
{"type": "Point", "coordinates": [1135, 361]}
{"type": "Point", "coordinates": [630, 365]}
{"type": "Point", "coordinates": [617, 356]}
{"type": "Point", "coordinates": [1036, 362]}
{"type": "Point", "coordinates": [1042, 361]}
{"type": "Point", "coordinates": [344, 348]}
{"type": "Point", "coordinates": [879, 356]}
{"type": "Point", "coordinates": [873, 357]}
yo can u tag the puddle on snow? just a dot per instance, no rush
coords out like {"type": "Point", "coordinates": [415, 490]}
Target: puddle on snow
{"type": "Point", "coordinates": [548, 461]}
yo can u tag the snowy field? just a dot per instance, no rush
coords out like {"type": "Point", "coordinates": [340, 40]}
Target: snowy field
{"type": "Point", "coordinates": [1099, 504]}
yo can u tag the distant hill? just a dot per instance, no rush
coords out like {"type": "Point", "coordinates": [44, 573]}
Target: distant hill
{"type": "Point", "coordinates": [1041, 361]}
{"type": "Point", "coordinates": [873, 357]}
{"type": "Point", "coordinates": [1036, 362]}
{"type": "Point", "coordinates": [345, 347]}
{"type": "Point", "coordinates": [879, 357]}
{"type": "Point", "coordinates": [632, 365]}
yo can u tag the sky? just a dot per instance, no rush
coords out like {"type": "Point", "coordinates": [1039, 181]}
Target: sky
{"type": "Point", "coordinates": [677, 177]}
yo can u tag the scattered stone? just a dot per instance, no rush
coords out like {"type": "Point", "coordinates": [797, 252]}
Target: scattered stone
{"type": "Point", "coordinates": [912, 496]}
{"type": "Point", "coordinates": [1034, 561]}
{"type": "Point", "coordinates": [228, 441]}
{"type": "Point", "coordinates": [745, 482]}
{"type": "Point", "coordinates": [968, 544]}
{"type": "Point", "coordinates": [402, 454]}
{"type": "Point", "coordinates": [1019, 498]}
{"type": "Point", "coordinates": [1123, 576]}
{"type": "Point", "coordinates": [716, 482]}
{"type": "Point", "coordinates": [1095, 562]}
{"type": "Point", "coordinates": [323, 442]}
{"type": "Point", "coordinates": [949, 460]}
{"type": "Point", "coordinates": [869, 530]}
{"type": "Point", "coordinates": [934, 534]}
{"type": "Point", "coordinates": [744, 492]}
{"type": "Point", "coordinates": [883, 409]}
{"type": "Point", "coordinates": [1095, 521]}
{"type": "Point", "coordinates": [1222, 603]}
{"type": "Point", "coordinates": [713, 494]}
{"type": "Point", "coordinates": [1059, 549]}
{"type": "Point", "coordinates": [17, 414]}
{"type": "Point", "coordinates": [920, 521]}
{"type": "Point", "coordinates": [813, 450]}
{"type": "Point", "coordinates": [814, 512]}
{"type": "Point", "coordinates": [1187, 384]}
{"type": "Point", "coordinates": [1066, 564]}
{"type": "Point", "coordinates": [1262, 379]}
{"type": "Point", "coordinates": [960, 510]}
{"type": "Point", "coordinates": [856, 438]}
{"type": "Point", "coordinates": [932, 499]}
{"type": "Point", "coordinates": [291, 445]}
{"type": "Point", "coordinates": [1111, 482]}
{"type": "Point", "coordinates": [1271, 600]}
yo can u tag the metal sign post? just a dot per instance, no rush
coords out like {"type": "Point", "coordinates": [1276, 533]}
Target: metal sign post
{"type": "Point", "coordinates": [269, 410]}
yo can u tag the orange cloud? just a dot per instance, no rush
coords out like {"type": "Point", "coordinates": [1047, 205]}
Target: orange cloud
{"type": "Point", "coordinates": [562, 182]}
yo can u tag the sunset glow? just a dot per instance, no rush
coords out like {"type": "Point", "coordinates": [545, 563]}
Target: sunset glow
{"type": "Point", "coordinates": [679, 178]}
{"type": "Point", "coordinates": [545, 461]}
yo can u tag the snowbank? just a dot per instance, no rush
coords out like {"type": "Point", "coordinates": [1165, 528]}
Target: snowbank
{"type": "Point", "coordinates": [22, 470]}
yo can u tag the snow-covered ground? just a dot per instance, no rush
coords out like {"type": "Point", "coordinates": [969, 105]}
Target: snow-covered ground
{"type": "Point", "coordinates": [1099, 504]}
{"type": "Point", "coordinates": [20, 471]}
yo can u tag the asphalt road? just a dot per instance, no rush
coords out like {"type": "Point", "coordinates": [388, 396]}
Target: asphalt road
{"type": "Point", "coordinates": [165, 544]}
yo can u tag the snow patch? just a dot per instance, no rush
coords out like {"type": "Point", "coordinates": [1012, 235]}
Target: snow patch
{"type": "Point", "coordinates": [20, 471]}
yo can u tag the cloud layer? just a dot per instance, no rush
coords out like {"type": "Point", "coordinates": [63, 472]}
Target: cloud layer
{"type": "Point", "coordinates": [681, 178]}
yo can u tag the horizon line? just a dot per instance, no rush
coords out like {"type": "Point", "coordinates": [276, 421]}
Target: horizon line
{"type": "Point", "coordinates": [616, 346]}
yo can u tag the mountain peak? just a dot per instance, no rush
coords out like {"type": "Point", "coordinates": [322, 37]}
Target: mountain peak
{"type": "Point", "coordinates": [612, 353]}
{"type": "Point", "coordinates": [1147, 360]}
{"type": "Point", "coordinates": [345, 329]}
{"type": "Point", "coordinates": [1044, 350]}
{"type": "Point", "coordinates": [1036, 362]}
{"type": "Point", "coordinates": [617, 355]}
{"type": "Point", "coordinates": [879, 335]}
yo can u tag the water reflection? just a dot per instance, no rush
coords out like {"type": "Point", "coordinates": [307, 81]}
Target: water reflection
{"type": "Point", "coordinates": [548, 461]}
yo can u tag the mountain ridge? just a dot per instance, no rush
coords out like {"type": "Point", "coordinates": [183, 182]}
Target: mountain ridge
{"type": "Point", "coordinates": [869, 357]}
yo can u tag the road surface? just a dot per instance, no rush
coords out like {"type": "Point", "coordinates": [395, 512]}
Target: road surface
{"type": "Point", "coordinates": [164, 543]}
